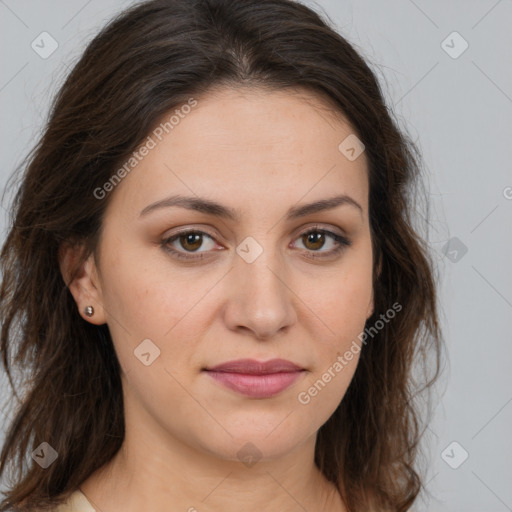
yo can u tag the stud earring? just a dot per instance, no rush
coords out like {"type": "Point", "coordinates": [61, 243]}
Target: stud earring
{"type": "Point", "coordinates": [89, 311]}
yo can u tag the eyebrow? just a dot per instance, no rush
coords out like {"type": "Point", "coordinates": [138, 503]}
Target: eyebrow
{"type": "Point", "coordinates": [213, 208]}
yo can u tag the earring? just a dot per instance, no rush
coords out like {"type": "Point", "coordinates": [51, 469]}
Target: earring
{"type": "Point", "coordinates": [89, 311]}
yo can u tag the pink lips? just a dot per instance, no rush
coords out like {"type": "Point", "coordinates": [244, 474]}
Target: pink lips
{"type": "Point", "coordinates": [254, 378]}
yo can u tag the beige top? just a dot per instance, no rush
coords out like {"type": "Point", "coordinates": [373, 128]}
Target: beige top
{"type": "Point", "coordinates": [77, 502]}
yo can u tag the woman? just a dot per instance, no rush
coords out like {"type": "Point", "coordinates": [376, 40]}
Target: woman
{"type": "Point", "coordinates": [212, 279]}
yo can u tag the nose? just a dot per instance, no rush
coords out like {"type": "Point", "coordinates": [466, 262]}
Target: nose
{"type": "Point", "coordinates": [260, 300]}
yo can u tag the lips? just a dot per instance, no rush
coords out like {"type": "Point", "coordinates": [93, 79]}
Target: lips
{"type": "Point", "coordinates": [253, 367]}
{"type": "Point", "coordinates": [256, 379]}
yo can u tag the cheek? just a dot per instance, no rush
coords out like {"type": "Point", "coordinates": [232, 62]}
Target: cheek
{"type": "Point", "coordinates": [341, 304]}
{"type": "Point", "coordinates": [145, 301]}
{"type": "Point", "coordinates": [337, 354]}
{"type": "Point", "coordinates": [146, 296]}
{"type": "Point", "coordinates": [341, 300]}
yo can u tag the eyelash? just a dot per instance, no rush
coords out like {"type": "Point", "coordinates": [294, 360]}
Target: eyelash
{"type": "Point", "coordinates": [342, 242]}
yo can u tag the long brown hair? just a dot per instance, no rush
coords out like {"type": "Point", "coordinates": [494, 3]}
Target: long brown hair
{"type": "Point", "coordinates": [144, 63]}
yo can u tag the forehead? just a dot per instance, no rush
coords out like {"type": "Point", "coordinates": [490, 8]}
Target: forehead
{"type": "Point", "coordinates": [238, 144]}
{"type": "Point", "coordinates": [250, 115]}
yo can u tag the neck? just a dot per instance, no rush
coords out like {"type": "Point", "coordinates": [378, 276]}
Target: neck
{"type": "Point", "coordinates": [153, 470]}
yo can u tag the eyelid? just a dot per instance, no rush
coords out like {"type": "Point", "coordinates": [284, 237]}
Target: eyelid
{"type": "Point", "coordinates": [342, 241]}
{"type": "Point", "coordinates": [317, 226]}
{"type": "Point", "coordinates": [190, 229]}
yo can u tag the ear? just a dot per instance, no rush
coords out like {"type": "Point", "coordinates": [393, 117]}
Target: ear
{"type": "Point", "coordinates": [84, 285]}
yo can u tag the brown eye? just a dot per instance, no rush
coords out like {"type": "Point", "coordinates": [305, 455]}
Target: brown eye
{"type": "Point", "coordinates": [191, 241]}
{"type": "Point", "coordinates": [316, 239]}
{"type": "Point", "coordinates": [313, 240]}
{"type": "Point", "coordinates": [183, 245]}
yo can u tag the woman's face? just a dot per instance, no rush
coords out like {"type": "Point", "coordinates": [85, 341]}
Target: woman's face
{"type": "Point", "coordinates": [247, 283]}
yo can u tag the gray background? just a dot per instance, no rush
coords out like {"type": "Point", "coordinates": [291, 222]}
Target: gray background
{"type": "Point", "coordinates": [459, 109]}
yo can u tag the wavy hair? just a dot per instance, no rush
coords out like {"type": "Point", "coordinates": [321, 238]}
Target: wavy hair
{"type": "Point", "coordinates": [145, 62]}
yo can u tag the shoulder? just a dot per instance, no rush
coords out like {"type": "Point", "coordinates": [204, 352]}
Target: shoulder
{"type": "Point", "coordinates": [77, 502]}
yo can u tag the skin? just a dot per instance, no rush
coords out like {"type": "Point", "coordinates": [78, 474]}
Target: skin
{"type": "Point", "coordinates": [260, 152]}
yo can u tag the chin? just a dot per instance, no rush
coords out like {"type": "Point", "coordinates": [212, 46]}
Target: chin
{"type": "Point", "coordinates": [255, 441]}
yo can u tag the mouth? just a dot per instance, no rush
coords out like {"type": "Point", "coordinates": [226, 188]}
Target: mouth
{"type": "Point", "coordinates": [256, 379]}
